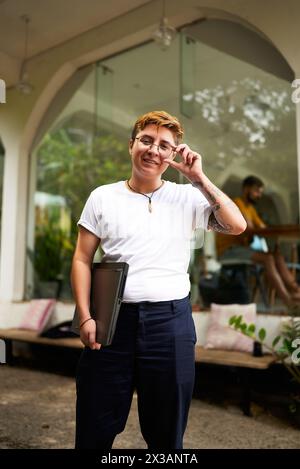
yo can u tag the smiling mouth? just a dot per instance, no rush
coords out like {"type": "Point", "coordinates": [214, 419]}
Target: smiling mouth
{"type": "Point", "coordinates": [154, 163]}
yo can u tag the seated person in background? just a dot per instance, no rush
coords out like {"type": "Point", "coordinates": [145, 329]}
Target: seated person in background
{"type": "Point", "coordinates": [238, 247]}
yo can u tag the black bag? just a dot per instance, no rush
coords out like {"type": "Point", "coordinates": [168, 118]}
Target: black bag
{"type": "Point", "coordinates": [60, 331]}
{"type": "Point", "coordinates": [228, 286]}
{"type": "Point", "coordinates": [208, 289]}
{"type": "Point", "coordinates": [233, 285]}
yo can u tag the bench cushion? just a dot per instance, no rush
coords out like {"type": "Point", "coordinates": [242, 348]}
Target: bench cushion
{"type": "Point", "coordinates": [221, 336]}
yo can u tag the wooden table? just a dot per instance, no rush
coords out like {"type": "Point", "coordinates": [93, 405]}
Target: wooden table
{"type": "Point", "coordinates": [289, 233]}
{"type": "Point", "coordinates": [280, 232]}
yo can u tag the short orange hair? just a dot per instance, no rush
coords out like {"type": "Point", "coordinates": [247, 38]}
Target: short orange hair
{"type": "Point", "coordinates": [161, 119]}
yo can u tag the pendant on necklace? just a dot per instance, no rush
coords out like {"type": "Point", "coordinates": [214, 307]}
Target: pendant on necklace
{"type": "Point", "coordinates": [150, 206]}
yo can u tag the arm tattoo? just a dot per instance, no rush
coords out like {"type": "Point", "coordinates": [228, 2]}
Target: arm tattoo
{"type": "Point", "coordinates": [215, 221]}
{"type": "Point", "coordinates": [209, 192]}
{"type": "Point", "coordinates": [216, 226]}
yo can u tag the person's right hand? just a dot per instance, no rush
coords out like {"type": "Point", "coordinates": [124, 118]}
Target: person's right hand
{"type": "Point", "coordinates": [88, 335]}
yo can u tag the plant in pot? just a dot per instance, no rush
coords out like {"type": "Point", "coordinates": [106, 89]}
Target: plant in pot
{"type": "Point", "coordinates": [285, 347]}
{"type": "Point", "coordinates": [52, 248]}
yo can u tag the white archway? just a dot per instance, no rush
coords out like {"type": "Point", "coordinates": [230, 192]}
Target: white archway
{"type": "Point", "coordinates": [29, 126]}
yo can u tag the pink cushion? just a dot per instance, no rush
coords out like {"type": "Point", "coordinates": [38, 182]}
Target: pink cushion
{"type": "Point", "coordinates": [38, 314]}
{"type": "Point", "coordinates": [221, 336]}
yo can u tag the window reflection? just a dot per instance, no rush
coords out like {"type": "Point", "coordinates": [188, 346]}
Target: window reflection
{"type": "Point", "coordinates": [239, 117]}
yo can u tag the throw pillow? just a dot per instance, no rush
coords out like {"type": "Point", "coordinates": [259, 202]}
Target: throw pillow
{"type": "Point", "coordinates": [221, 336]}
{"type": "Point", "coordinates": [38, 315]}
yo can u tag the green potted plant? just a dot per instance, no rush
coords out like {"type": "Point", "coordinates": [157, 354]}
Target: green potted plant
{"type": "Point", "coordinates": [52, 250]}
{"type": "Point", "coordinates": [285, 347]}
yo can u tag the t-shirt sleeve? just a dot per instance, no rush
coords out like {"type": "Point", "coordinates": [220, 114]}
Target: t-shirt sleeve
{"type": "Point", "coordinates": [201, 209]}
{"type": "Point", "coordinates": [91, 215]}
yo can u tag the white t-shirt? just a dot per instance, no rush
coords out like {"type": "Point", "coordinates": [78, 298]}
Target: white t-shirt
{"type": "Point", "coordinates": [156, 245]}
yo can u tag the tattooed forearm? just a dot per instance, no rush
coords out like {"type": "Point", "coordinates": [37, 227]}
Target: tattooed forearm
{"type": "Point", "coordinates": [210, 193]}
{"type": "Point", "coordinates": [214, 225]}
{"type": "Point", "coordinates": [226, 217]}
{"type": "Point", "coordinates": [230, 204]}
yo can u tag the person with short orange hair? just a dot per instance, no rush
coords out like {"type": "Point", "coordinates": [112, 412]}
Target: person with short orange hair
{"type": "Point", "coordinates": [147, 222]}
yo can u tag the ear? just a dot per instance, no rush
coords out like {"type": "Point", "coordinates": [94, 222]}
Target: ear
{"type": "Point", "coordinates": [130, 145]}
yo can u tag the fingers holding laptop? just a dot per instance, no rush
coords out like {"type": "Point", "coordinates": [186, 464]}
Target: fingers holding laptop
{"type": "Point", "coordinates": [92, 341]}
{"type": "Point", "coordinates": [88, 335]}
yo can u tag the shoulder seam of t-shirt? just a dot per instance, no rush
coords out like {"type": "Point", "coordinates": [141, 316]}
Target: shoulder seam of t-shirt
{"type": "Point", "coordinates": [88, 227]}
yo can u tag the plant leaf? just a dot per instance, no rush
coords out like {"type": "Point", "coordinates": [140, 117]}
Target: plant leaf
{"type": "Point", "coordinates": [251, 329]}
{"type": "Point", "coordinates": [238, 322]}
{"type": "Point", "coordinates": [276, 340]}
{"type": "Point", "coordinates": [262, 334]}
{"type": "Point", "coordinates": [232, 320]}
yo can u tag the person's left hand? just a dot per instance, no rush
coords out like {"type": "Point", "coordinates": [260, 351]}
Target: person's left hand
{"type": "Point", "coordinates": [191, 164]}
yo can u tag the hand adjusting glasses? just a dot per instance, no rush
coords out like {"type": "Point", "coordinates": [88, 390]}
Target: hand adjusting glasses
{"type": "Point", "coordinates": [165, 149]}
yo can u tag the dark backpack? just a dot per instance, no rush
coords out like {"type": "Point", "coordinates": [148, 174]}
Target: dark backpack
{"type": "Point", "coordinates": [228, 286]}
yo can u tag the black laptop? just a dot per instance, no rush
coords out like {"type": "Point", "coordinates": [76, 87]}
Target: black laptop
{"type": "Point", "coordinates": [108, 281]}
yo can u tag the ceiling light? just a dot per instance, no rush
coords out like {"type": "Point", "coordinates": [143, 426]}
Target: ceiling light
{"type": "Point", "coordinates": [23, 85]}
{"type": "Point", "coordinates": [164, 34]}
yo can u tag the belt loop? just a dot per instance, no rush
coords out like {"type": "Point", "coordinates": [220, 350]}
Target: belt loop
{"type": "Point", "coordinates": [173, 303]}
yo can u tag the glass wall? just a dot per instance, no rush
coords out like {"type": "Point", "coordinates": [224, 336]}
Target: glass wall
{"type": "Point", "coordinates": [239, 117]}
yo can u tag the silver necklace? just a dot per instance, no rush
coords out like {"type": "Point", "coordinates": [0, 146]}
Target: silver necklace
{"type": "Point", "coordinates": [149, 197]}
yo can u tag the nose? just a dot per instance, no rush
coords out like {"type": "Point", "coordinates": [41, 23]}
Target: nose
{"type": "Point", "coordinates": [153, 149]}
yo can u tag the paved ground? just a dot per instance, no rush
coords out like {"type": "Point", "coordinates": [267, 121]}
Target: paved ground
{"type": "Point", "coordinates": [37, 411]}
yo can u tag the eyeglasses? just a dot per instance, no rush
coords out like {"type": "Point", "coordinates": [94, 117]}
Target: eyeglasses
{"type": "Point", "coordinates": [164, 149]}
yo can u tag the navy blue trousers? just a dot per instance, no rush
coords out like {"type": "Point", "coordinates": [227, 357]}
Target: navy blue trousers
{"type": "Point", "coordinates": [153, 353]}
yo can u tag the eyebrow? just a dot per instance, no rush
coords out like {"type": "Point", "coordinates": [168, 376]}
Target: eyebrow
{"type": "Point", "coordinates": [161, 141]}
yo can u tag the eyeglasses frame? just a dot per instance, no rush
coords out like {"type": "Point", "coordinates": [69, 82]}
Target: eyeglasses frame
{"type": "Point", "coordinates": [151, 145]}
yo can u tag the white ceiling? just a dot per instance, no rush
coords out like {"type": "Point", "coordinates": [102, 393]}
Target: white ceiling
{"type": "Point", "coordinates": [54, 22]}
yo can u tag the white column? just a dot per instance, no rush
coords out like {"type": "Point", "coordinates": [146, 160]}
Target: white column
{"type": "Point", "coordinates": [14, 214]}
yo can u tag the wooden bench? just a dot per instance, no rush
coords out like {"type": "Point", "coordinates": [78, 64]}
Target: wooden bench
{"type": "Point", "coordinates": [243, 363]}
{"type": "Point", "coordinates": [232, 358]}
{"type": "Point", "coordinates": [21, 335]}
{"type": "Point", "coordinates": [202, 355]}
{"type": "Point", "coordinates": [241, 360]}
{"type": "Point", "coordinates": [31, 337]}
